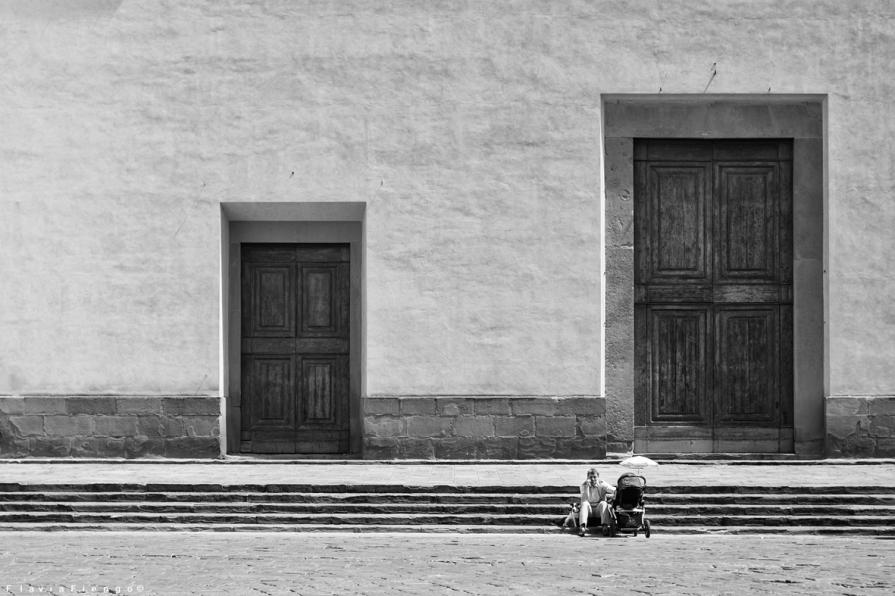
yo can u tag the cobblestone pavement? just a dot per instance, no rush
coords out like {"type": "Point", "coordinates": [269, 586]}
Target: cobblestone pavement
{"type": "Point", "coordinates": [330, 563]}
{"type": "Point", "coordinates": [530, 474]}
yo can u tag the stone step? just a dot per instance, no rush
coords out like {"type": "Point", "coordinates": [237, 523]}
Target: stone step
{"type": "Point", "coordinates": [694, 508]}
{"type": "Point", "coordinates": [288, 497]}
{"type": "Point", "coordinates": [520, 497]}
{"type": "Point", "coordinates": [341, 507]}
{"type": "Point", "coordinates": [432, 519]}
{"type": "Point", "coordinates": [451, 529]}
{"type": "Point", "coordinates": [571, 490]}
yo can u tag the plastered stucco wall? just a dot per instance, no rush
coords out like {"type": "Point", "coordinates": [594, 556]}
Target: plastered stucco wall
{"type": "Point", "coordinates": [472, 130]}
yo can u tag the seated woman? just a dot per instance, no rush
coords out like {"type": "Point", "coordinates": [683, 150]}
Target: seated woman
{"type": "Point", "coordinates": [594, 493]}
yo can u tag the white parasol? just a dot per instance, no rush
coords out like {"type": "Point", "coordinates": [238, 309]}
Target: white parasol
{"type": "Point", "coordinates": [638, 462]}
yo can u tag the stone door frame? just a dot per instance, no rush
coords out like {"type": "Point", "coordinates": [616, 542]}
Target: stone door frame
{"type": "Point", "coordinates": [801, 118]}
{"type": "Point", "coordinates": [290, 223]}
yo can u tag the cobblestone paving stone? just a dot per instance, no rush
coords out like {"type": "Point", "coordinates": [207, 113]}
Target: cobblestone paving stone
{"type": "Point", "coordinates": [328, 563]}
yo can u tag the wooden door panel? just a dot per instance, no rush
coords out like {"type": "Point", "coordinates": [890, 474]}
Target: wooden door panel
{"type": "Point", "coordinates": [713, 295]}
{"type": "Point", "coordinates": [678, 210]}
{"type": "Point", "coordinates": [324, 306]}
{"type": "Point", "coordinates": [747, 357]}
{"type": "Point", "coordinates": [746, 221]}
{"type": "Point", "coordinates": [318, 307]}
{"type": "Point", "coordinates": [269, 404]}
{"type": "Point", "coordinates": [322, 379]}
{"type": "Point", "coordinates": [271, 313]}
{"type": "Point", "coordinates": [679, 364]}
{"type": "Point", "coordinates": [295, 348]}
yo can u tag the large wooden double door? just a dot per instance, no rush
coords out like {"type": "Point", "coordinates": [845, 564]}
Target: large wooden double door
{"type": "Point", "coordinates": [713, 296]}
{"type": "Point", "coordinates": [295, 333]}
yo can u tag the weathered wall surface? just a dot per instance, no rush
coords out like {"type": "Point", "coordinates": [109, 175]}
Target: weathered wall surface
{"type": "Point", "coordinates": [471, 129]}
{"type": "Point", "coordinates": [461, 427]}
{"type": "Point", "coordinates": [105, 426]}
{"type": "Point", "coordinates": [861, 426]}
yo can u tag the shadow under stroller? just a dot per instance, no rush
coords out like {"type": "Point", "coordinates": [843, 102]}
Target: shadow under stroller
{"type": "Point", "coordinates": [627, 510]}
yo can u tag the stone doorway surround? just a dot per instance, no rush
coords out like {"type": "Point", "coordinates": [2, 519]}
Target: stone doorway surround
{"type": "Point", "coordinates": [797, 117]}
{"type": "Point", "coordinates": [292, 223]}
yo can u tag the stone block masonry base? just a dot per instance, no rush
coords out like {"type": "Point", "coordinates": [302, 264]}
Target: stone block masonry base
{"type": "Point", "coordinates": [459, 427]}
{"type": "Point", "coordinates": [861, 426]}
{"type": "Point", "coordinates": [110, 426]}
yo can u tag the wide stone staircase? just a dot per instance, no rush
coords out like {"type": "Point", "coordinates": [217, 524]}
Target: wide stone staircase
{"type": "Point", "coordinates": [396, 508]}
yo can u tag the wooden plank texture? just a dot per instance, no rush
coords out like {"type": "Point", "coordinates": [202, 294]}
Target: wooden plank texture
{"type": "Point", "coordinates": [295, 369]}
{"type": "Point", "coordinates": [713, 294]}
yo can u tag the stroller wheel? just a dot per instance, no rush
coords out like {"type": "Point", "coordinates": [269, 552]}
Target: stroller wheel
{"type": "Point", "coordinates": [646, 529]}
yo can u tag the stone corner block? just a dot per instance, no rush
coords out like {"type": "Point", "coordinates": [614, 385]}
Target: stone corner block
{"type": "Point", "coordinates": [135, 447]}
{"type": "Point", "coordinates": [492, 406]}
{"type": "Point", "coordinates": [192, 406]}
{"type": "Point", "coordinates": [45, 405]}
{"type": "Point", "coordinates": [380, 448]}
{"type": "Point", "coordinates": [69, 426]}
{"type": "Point", "coordinates": [844, 426]}
{"type": "Point", "coordinates": [90, 405]}
{"type": "Point", "coordinates": [419, 406]}
{"type": "Point", "coordinates": [454, 406]}
{"type": "Point", "coordinates": [115, 426]}
{"type": "Point", "coordinates": [846, 406]}
{"type": "Point", "coordinates": [581, 406]}
{"type": "Point", "coordinates": [589, 448]}
{"type": "Point", "coordinates": [882, 406]}
{"type": "Point", "coordinates": [139, 405]}
{"type": "Point", "coordinates": [384, 426]}
{"type": "Point", "coordinates": [536, 447]}
{"type": "Point", "coordinates": [411, 448]}
{"type": "Point", "coordinates": [14, 447]}
{"type": "Point", "coordinates": [556, 426]}
{"type": "Point", "coordinates": [428, 426]}
{"type": "Point", "coordinates": [885, 448]}
{"type": "Point", "coordinates": [455, 448]}
{"type": "Point", "coordinates": [108, 446]}
{"type": "Point", "coordinates": [201, 426]}
{"type": "Point", "coordinates": [49, 446]}
{"type": "Point", "coordinates": [188, 447]}
{"type": "Point", "coordinates": [514, 426]}
{"type": "Point", "coordinates": [12, 405]}
{"type": "Point", "coordinates": [537, 406]}
{"type": "Point", "coordinates": [378, 406]}
{"type": "Point", "coordinates": [26, 426]}
{"type": "Point", "coordinates": [474, 426]}
{"type": "Point", "coordinates": [592, 426]}
{"type": "Point", "coordinates": [497, 448]}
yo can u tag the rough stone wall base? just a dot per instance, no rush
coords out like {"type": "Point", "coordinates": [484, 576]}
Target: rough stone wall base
{"type": "Point", "coordinates": [860, 426]}
{"type": "Point", "coordinates": [110, 426]}
{"type": "Point", "coordinates": [411, 427]}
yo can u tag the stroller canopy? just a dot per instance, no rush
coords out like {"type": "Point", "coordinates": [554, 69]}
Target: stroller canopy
{"type": "Point", "coordinates": [631, 480]}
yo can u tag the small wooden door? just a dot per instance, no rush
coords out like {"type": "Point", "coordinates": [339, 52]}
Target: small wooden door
{"type": "Point", "coordinates": [713, 296]}
{"type": "Point", "coordinates": [295, 325]}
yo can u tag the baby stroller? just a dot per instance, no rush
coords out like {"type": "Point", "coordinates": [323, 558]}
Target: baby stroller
{"type": "Point", "coordinates": [627, 510]}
